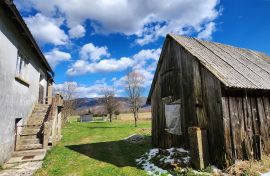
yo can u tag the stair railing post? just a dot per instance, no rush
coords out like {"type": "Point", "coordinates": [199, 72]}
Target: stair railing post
{"type": "Point", "coordinates": [46, 135]}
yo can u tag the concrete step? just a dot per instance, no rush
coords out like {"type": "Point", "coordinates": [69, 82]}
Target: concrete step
{"type": "Point", "coordinates": [33, 126]}
{"type": "Point", "coordinates": [29, 147]}
{"type": "Point", "coordinates": [35, 122]}
{"type": "Point", "coordinates": [36, 118]}
{"type": "Point", "coordinates": [41, 106]}
{"type": "Point", "coordinates": [29, 152]}
{"type": "Point", "coordinates": [40, 110]}
{"type": "Point", "coordinates": [23, 159]}
{"type": "Point", "coordinates": [38, 115]}
{"type": "Point", "coordinates": [29, 141]}
{"type": "Point", "coordinates": [28, 131]}
{"type": "Point", "coordinates": [25, 137]}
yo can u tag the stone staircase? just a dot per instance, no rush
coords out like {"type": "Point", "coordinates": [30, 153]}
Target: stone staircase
{"type": "Point", "coordinates": [31, 136]}
{"type": "Point", "coordinates": [29, 143]}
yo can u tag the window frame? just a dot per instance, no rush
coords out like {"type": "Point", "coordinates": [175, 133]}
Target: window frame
{"type": "Point", "coordinates": [22, 65]}
{"type": "Point", "coordinates": [167, 101]}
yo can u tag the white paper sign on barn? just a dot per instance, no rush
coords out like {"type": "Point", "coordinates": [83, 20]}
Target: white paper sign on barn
{"type": "Point", "coordinates": [173, 119]}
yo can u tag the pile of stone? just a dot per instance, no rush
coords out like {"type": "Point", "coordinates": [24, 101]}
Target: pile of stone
{"type": "Point", "coordinates": [135, 139]}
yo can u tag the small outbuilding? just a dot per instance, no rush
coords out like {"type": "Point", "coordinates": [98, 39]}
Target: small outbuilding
{"type": "Point", "coordinates": [221, 89]}
{"type": "Point", "coordinates": [88, 117]}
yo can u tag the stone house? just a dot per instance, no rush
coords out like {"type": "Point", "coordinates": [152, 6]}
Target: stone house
{"type": "Point", "coordinates": [25, 81]}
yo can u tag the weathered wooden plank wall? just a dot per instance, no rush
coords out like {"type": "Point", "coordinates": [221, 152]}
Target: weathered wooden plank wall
{"type": "Point", "coordinates": [244, 117]}
{"type": "Point", "coordinates": [181, 76]}
{"type": "Point", "coordinates": [231, 120]}
{"type": "Point", "coordinates": [211, 95]}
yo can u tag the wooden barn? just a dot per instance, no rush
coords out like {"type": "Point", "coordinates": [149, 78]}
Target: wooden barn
{"type": "Point", "coordinates": [222, 89]}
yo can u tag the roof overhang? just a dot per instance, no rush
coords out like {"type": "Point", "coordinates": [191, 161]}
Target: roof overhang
{"type": "Point", "coordinates": [13, 12]}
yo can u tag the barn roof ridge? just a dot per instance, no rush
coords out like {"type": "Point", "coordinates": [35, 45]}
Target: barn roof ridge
{"type": "Point", "coordinates": [235, 67]}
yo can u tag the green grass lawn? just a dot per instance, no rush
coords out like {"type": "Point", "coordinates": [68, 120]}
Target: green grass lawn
{"type": "Point", "coordinates": [97, 148]}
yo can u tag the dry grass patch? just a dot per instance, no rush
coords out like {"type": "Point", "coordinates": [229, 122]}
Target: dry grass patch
{"type": "Point", "coordinates": [130, 117]}
{"type": "Point", "coordinates": [250, 168]}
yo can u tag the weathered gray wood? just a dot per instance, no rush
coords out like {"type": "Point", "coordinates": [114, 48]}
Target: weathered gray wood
{"type": "Point", "coordinates": [212, 98]}
{"type": "Point", "coordinates": [230, 116]}
{"type": "Point", "coordinates": [266, 104]}
{"type": "Point", "coordinates": [227, 131]}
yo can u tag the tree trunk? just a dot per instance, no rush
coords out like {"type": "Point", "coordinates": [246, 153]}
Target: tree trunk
{"type": "Point", "coordinates": [135, 118]}
{"type": "Point", "coordinates": [110, 117]}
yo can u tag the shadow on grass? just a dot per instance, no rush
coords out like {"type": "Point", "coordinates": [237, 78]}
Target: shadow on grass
{"type": "Point", "coordinates": [119, 153]}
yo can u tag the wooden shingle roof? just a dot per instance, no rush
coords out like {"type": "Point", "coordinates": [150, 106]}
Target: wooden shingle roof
{"type": "Point", "coordinates": [235, 67]}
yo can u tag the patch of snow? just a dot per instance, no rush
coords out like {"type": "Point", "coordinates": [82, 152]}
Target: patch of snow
{"type": "Point", "coordinates": [266, 174]}
{"type": "Point", "coordinates": [159, 162]}
{"type": "Point", "coordinates": [186, 159]}
{"type": "Point", "coordinates": [168, 156]}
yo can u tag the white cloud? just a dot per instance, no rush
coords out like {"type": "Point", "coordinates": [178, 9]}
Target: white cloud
{"type": "Point", "coordinates": [139, 62]}
{"type": "Point", "coordinates": [106, 65]}
{"type": "Point", "coordinates": [46, 30]}
{"type": "Point", "coordinates": [91, 62]}
{"type": "Point", "coordinates": [55, 56]}
{"type": "Point", "coordinates": [93, 53]}
{"type": "Point", "coordinates": [146, 57]}
{"type": "Point", "coordinates": [77, 32]}
{"type": "Point", "coordinates": [147, 20]}
{"type": "Point", "coordinates": [206, 33]}
{"type": "Point", "coordinates": [148, 54]}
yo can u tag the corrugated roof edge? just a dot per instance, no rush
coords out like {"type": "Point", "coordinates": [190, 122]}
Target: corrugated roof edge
{"type": "Point", "coordinates": [13, 10]}
{"type": "Point", "coordinates": [173, 36]}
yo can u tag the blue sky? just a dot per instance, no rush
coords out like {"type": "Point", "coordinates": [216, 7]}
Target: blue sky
{"type": "Point", "coordinates": [94, 44]}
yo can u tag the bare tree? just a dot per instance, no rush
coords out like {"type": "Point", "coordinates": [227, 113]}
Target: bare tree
{"type": "Point", "coordinates": [109, 101]}
{"type": "Point", "coordinates": [134, 82]}
{"type": "Point", "coordinates": [68, 92]}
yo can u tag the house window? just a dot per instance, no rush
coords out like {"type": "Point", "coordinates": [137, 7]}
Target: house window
{"type": "Point", "coordinates": [173, 117]}
{"type": "Point", "coordinates": [22, 67]}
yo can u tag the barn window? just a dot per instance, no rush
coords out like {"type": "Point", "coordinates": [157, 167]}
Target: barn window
{"type": "Point", "coordinates": [173, 117]}
{"type": "Point", "coordinates": [22, 67]}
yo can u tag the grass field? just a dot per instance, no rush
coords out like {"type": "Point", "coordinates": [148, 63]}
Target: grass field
{"type": "Point", "coordinates": [96, 149]}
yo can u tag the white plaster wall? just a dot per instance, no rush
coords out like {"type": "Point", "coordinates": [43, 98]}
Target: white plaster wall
{"type": "Point", "coordinates": [16, 99]}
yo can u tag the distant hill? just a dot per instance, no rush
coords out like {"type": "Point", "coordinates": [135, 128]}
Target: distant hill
{"type": "Point", "coordinates": [96, 106]}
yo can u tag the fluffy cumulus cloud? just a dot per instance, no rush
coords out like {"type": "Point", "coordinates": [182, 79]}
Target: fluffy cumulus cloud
{"type": "Point", "coordinates": [77, 32]}
{"type": "Point", "coordinates": [47, 30]}
{"type": "Point", "coordinates": [56, 56]}
{"type": "Point", "coordinates": [206, 33]}
{"type": "Point", "coordinates": [93, 53]}
{"type": "Point", "coordinates": [95, 60]}
{"type": "Point", "coordinates": [146, 57]}
{"type": "Point", "coordinates": [107, 65]}
{"type": "Point", "coordinates": [147, 20]}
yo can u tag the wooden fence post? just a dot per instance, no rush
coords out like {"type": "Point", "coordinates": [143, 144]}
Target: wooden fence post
{"type": "Point", "coordinates": [198, 147]}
